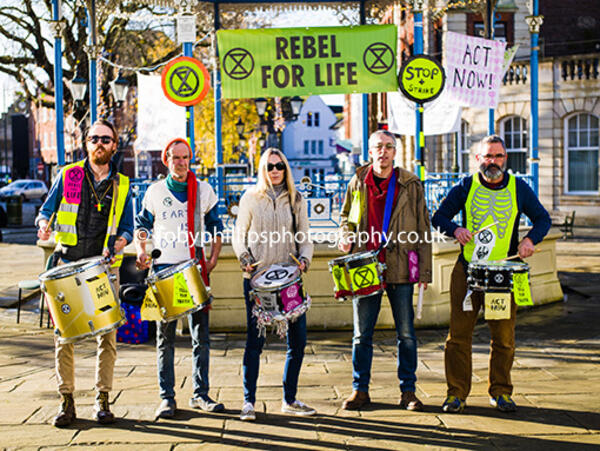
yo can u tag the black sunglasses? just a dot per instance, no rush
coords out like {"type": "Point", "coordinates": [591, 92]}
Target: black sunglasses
{"type": "Point", "coordinates": [280, 166]}
{"type": "Point", "coordinates": [103, 139]}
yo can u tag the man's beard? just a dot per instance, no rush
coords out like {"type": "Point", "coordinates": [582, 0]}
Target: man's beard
{"type": "Point", "coordinates": [491, 171]}
{"type": "Point", "coordinates": [101, 159]}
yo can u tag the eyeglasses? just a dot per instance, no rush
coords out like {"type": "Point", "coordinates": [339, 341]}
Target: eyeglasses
{"type": "Point", "coordinates": [498, 156]}
{"type": "Point", "coordinates": [388, 146]}
{"type": "Point", "coordinates": [103, 139]}
{"type": "Point", "coordinates": [280, 166]}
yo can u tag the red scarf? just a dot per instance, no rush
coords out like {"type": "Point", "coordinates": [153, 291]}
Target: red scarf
{"type": "Point", "coordinates": [192, 192]}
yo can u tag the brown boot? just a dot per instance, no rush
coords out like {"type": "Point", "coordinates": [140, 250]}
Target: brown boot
{"type": "Point", "coordinates": [66, 413]}
{"type": "Point", "coordinates": [409, 401]}
{"type": "Point", "coordinates": [102, 413]}
{"type": "Point", "coordinates": [356, 400]}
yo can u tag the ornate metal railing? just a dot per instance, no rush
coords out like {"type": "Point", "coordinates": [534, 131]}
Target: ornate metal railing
{"type": "Point", "coordinates": [324, 198]}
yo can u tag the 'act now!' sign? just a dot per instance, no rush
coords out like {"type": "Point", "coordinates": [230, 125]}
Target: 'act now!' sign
{"type": "Point", "coordinates": [304, 61]}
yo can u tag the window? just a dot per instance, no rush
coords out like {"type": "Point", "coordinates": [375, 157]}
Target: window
{"type": "Point", "coordinates": [464, 145]}
{"type": "Point", "coordinates": [306, 147]}
{"type": "Point", "coordinates": [309, 119]}
{"type": "Point", "coordinates": [317, 119]}
{"type": "Point", "coordinates": [582, 154]}
{"type": "Point", "coordinates": [320, 146]}
{"type": "Point", "coordinates": [514, 133]}
{"type": "Point", "coordinates": [504, 26]}
{"type": "Point", "coordinates": [313, 147]}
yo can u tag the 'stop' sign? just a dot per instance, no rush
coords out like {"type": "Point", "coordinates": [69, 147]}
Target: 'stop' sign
{"type": "Point", "coordinates": [421, 78]}
{"type": "Point", "coordinates": [305, 61]}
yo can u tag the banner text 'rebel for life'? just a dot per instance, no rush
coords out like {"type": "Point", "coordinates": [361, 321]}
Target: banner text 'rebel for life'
{"type": "Point", "coordinates": [305, 61]}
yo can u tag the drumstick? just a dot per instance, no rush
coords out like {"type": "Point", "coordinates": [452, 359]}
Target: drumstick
{"type": "Point", "coordinates": [482, 229]}
{"type": "Point", "coordinates": [49, 225]}
{"type": "Point", "coordinates": [255, 264]}
{"type": "Point", "coordinates": [295, 259]}
{"type": "Point", "coordinates": [512, 257]}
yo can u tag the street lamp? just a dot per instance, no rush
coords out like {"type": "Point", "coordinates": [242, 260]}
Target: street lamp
{"type": "Point", "coordinates": [296, 104]}
{"type": "Point", "coordinates": [119, 87]}
{"type": "Point", "coordinates": [239, 127]}
{"type": "Point", "coordinates": [261, 106]}
{"type": "Point", "coordinates": [78, 86]}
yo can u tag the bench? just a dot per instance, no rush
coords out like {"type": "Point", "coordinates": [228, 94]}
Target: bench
{"type": "Point", "coordinates": [564, 220]}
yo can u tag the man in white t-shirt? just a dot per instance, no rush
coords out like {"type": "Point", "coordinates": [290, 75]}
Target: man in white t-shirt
{"type": "Point", "coordinates": [176, 213]}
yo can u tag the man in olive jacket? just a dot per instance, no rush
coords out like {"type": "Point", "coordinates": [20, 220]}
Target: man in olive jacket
{"type": "Point", "coordinates": [362, 222]}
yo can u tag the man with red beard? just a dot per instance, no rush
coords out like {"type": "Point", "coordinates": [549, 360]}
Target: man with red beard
{"type": "Point", "coordinates": [492, 199]}
{"type": "Point", "coordinates": [99, 197]}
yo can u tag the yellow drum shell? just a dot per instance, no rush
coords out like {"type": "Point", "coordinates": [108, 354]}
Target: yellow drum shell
{"type": "Point", "coordinates": [164, 289]}
{"type": "Point", "coordinates": [75, 313]}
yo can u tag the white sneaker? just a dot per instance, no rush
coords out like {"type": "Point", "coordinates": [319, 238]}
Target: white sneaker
{"type": "Point", "coordinates": [247, 413]}
{"type": "Point", "coordinates": [297, 408]}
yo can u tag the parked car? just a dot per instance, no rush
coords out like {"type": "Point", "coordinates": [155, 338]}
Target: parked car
{"type": "Point", "coordinates": [27, 189]}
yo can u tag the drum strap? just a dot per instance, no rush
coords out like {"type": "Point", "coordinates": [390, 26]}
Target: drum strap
{"type": "Point", "coordinates": [113, 228]}
{"type": "Point", "coordinates": [387, 213]}
{"type": "Point", "coordinates": [294, 226]}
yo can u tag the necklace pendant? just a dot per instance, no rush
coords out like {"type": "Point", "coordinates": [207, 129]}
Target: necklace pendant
{"type": "Point", "coordinates": [99, 206]}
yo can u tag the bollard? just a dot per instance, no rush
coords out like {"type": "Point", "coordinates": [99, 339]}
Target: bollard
{"type": "Point", "coordinates": [14, 211]}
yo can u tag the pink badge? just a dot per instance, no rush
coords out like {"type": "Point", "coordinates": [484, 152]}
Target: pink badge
{"type": "Point", "coordinates": [72, 185]}
{"type": "Point", "coordinates": [413, 266]}
{"type": "Point", "coordinates": [290, 298]}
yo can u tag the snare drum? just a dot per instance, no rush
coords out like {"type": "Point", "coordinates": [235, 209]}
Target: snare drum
{"type": "Point", "coordinates": [357, 275]}
{"type": "Point", "coordinates": [278, 294]}
{"type": "Point", "coordinates": [179, 290]}
{"type": "Point", "coordinates": [494, 277]}
{"type": "Point", "coordinates": [82, 299]}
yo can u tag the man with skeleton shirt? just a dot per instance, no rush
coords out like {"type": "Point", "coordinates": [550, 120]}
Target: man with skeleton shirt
{"type": "Point", "coordinates": [491, 198]}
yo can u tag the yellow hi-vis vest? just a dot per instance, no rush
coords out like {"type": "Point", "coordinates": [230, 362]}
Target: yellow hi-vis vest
{"type": "Point", "coordinates": [66, 217]}
{"type": "Point", "coordinates": [486, 206]}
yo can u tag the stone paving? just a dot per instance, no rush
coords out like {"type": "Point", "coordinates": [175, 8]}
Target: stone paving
{"type": "Point", "coordinates": [556, 378]}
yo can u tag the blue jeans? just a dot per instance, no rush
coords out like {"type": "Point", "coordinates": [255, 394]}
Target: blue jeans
{"type": "Point", "coordinates": [165, 347]}
{"type": "Point", "coordinates": [296, 341]}
{"type": "Point", "coordinates": [366, 311]}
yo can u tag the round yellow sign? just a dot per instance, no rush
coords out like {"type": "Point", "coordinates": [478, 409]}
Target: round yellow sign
{"type": "Point", "coordinates": [421, 78]}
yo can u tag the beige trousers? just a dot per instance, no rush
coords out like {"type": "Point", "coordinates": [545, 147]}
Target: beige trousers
{"type": "Point", "coordinates": [106, 357]}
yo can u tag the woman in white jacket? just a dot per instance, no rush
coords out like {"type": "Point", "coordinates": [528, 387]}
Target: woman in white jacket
{"type": "Point", "coordinates": [272, 208]}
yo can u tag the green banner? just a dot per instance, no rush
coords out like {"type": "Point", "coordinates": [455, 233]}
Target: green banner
{"type": "Point", "coordinates": [303, 61]}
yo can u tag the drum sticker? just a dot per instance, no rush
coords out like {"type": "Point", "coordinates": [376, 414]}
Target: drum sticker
{"type": "Point", "coordinates": [339, 278]}
{"type": "Point", "coordinates": [521, 289]}
{"type": "Point", "coordinates": [65, 309]}
{"type": "Point", "coordinates": [150, 310]}
{"type": "Point", "coordinates": [181, 293]}
{"type": "Point", "coordinates": [413, 266]}
{"type": "Point", "coordinates": [290, 298]}
{"type": "Point", "coordinates": [499, 278]}
{"type": "Point", "coordinates": [72, 185]}
{"type": "Point", "coordinates": [101, 293]}
{"type": "Point", "coordinates": [364, 276]}
{"type": "Point", "coordinates": [276, 274]}
{"type": "Point", "coordinates": [497, 306]}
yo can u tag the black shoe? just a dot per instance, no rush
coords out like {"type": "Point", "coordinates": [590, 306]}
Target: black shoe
{"type": "Point", "coordinates": [66, 413]}
{"type": "Point", "coordinates": [102, 413]}
{"type": "Point", "coordinates": [204, 402]}
{"type": "Point", "coordinates": [167, 409]}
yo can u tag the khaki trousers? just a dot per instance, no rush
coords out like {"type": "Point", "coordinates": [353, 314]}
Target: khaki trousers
{"type": "Point", "coordinates": [106, 357]}
{"type": "Point", "coordinates": [457, 352]}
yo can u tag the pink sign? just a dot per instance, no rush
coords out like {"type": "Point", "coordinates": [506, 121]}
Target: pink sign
{"type": "Point", "coordinates": [473, 69]}
{"type": "Point", "coordinates": [72, 185]}
{"type": "Point", "coordinates": [413, 266]}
